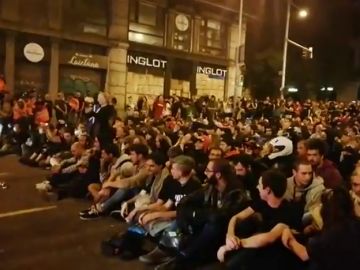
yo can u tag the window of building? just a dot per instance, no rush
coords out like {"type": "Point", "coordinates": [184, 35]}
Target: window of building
{"type": "Point", "coordinates": [213, 37]}
{"type": "Point", "coordinates": [30, 75]}
{"type": "Point", "coordinates": [86, 16]}
{"type": "Point", "coordinates": [34, 13]}
{"type": "Point", "coordinates": [146, 23]}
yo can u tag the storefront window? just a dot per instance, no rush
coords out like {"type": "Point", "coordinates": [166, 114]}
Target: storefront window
{"type": "Point", "coordinates": [85, 81]}
{"type": "Point", "coordinates": [210, 80]}
{"type": "Point", "coordinates": [86, 16]}
{"type": "Point", "coordinates": [31, 75]}
{"type": "Point", "coordinates": [145, 77]}
{"type": "Point", "coordinates": [213, 37]}
{"type": "Point", "coordinates": [82, 68]}
{"type": "Point", "coordinates": [146, 23]}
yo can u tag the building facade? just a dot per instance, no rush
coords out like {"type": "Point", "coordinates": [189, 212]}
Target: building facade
{"type": "Point", "coordinates": [128, 47]}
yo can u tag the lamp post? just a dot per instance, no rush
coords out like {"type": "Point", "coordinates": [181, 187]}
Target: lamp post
{"type": "Point", "coordinates": [303, 13]}
{"type": "Point", "coordinates": [238, 74]}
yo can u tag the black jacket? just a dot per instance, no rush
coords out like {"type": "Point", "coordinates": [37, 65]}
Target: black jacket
{"type": "Point", "coordinates": [208, 205]}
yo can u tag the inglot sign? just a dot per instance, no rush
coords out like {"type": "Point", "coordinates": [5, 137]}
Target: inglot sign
{"type": "Point", "coordinates": [212, 72]}
{"type": "Point", "coordinates": [146, 61]}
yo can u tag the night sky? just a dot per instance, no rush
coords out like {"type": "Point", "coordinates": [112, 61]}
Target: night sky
{"type": "Point", "coordinates": [331, 28]}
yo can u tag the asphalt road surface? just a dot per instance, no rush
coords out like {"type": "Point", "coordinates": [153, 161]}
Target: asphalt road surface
{"type": "Point", "coordinates": [41, 235]}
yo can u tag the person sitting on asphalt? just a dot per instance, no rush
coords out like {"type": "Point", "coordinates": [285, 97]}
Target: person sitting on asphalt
{"type": "Point", "coordinates": [203, 216]}
{"type": "Point", "coordinates": [112, 165]}
{"type": "Point", "coordinates": [125, 187]}
{"type": "Point", "coordinates": [337, 246]}
{"type": "Point", "coordinates": [258, 240]}
{"type": "Point", "coordinates": [161, 215]}
{"type": "Point", "coordinates": [64, 172]}
{"type": "Point", "coordinates": [131, 209]}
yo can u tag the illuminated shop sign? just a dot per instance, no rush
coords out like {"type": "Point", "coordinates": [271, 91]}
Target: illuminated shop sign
{"type": "Point", "coordinates": [213, 72]}
{"type": "Point", "coordinates": [146, 61]}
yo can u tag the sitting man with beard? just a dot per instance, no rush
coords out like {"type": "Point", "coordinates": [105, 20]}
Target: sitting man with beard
{"type": "Point", "coordinates": [203, 216]}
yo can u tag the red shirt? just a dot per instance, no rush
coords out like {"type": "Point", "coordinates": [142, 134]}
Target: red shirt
{"type": "Point", "coordinates": [158, 109]}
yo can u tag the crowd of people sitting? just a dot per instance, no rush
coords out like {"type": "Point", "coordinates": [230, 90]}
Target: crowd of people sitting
{"type": "Point", "coordinates": [240, 184]}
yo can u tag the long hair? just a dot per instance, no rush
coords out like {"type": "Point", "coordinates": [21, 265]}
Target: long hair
{"type": "Point", "coordinates": [227, 172]}
{"type": "Point", "coordinates": [337, 207]}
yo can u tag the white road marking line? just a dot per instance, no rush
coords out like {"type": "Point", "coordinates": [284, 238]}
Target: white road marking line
{"type": "Point", "coordinates": [26, 211]}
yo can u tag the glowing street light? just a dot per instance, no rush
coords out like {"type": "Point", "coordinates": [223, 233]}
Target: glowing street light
{"type": "Point", "coordinates": [292, 90]}
{"type": "Point", "coordinates": [303, 13]}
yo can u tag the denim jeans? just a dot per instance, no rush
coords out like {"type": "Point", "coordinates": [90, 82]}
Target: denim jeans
{"type": "Point", "coordinates": [117, 198]}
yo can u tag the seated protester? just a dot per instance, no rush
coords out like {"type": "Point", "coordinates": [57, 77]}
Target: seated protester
{"type": "Point", "coordinates": [85, 140]}
{"type": "Point", "coordinates": [33, 144]}
{"type": "Point", "coordinates": [203, 216]}
{"type": "Point", "coordinates": [355, 190]}
{"type": "Point", "coordinates": [63, 173]}
{"type": "Point", "coordinates": [321, 166]}
{"type": "Point", "coordinates": [87, 173]}
{"type": "Point", "coordinates": [125, 187]}
{"type": "Point", "coordinates": [243, 168]}
{"type": "Point", "coordinates": [185, 145]}
{"type": "Point", "coordinates": [131, 209]}
{"type": "Point", "coordinates": [161, 215]}
{"type": "Point", "coordinates": [215, 153]}
{"type": "Point", "coordinates": [67, 137]}
{"type": "Point", "coordinates": [304, 187]}
{"type": "Point", "coordinates": [273, 210]}
{"type": "Point", "coordinates": [41, 113]}
{"type": "Point", "coordinates": [51, 145]}
{"type": "Point", "coordinates": [301, 149]}
{"type": "Point", "coordinates": [201, 157]}
{"type": "Point", "coordinates": [5, 118]}
{"type": "Point", "coordinates": [338, 245]}
{"type": "Point", "coordinates": [227, 145]}
{"type": "Point", "coordinates": [111, 166]}
{"type": "Point", "coordinates": [11, 143]}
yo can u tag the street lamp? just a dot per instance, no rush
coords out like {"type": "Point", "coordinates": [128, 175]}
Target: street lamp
{"type": "Point", "coordinates": [302, 13]}
{"type": "Point", "coordinates": [238, 75]}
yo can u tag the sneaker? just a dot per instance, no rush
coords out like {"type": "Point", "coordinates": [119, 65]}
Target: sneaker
{"type": "Point", "coordinates": [169, 265]}
{"type": "Point", "coordinates": [156, 256]}
{"type": "Point", "coordinates": [116, 214]}
{"type": "Point", "coordinates": [84, 212]}
{"type": "Point", "coordinates": [91, 215]}
{"type": "Point", "coordinates": [45, 185]}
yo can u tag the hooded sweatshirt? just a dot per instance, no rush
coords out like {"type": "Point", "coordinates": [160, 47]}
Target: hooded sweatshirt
{"type": "Point", "coordinates": [310, 195]}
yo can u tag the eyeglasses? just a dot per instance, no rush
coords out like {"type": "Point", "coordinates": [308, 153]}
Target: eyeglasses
{"type": "Point", "coordinates": [208, 170]}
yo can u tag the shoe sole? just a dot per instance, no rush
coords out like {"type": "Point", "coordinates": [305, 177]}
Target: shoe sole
{"type": "Point", "coordinates": [85, 218]}
{"type": "Point", "coordinates": [83, 214]}
{"type": "Point", "coordinates": [153, 262]}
